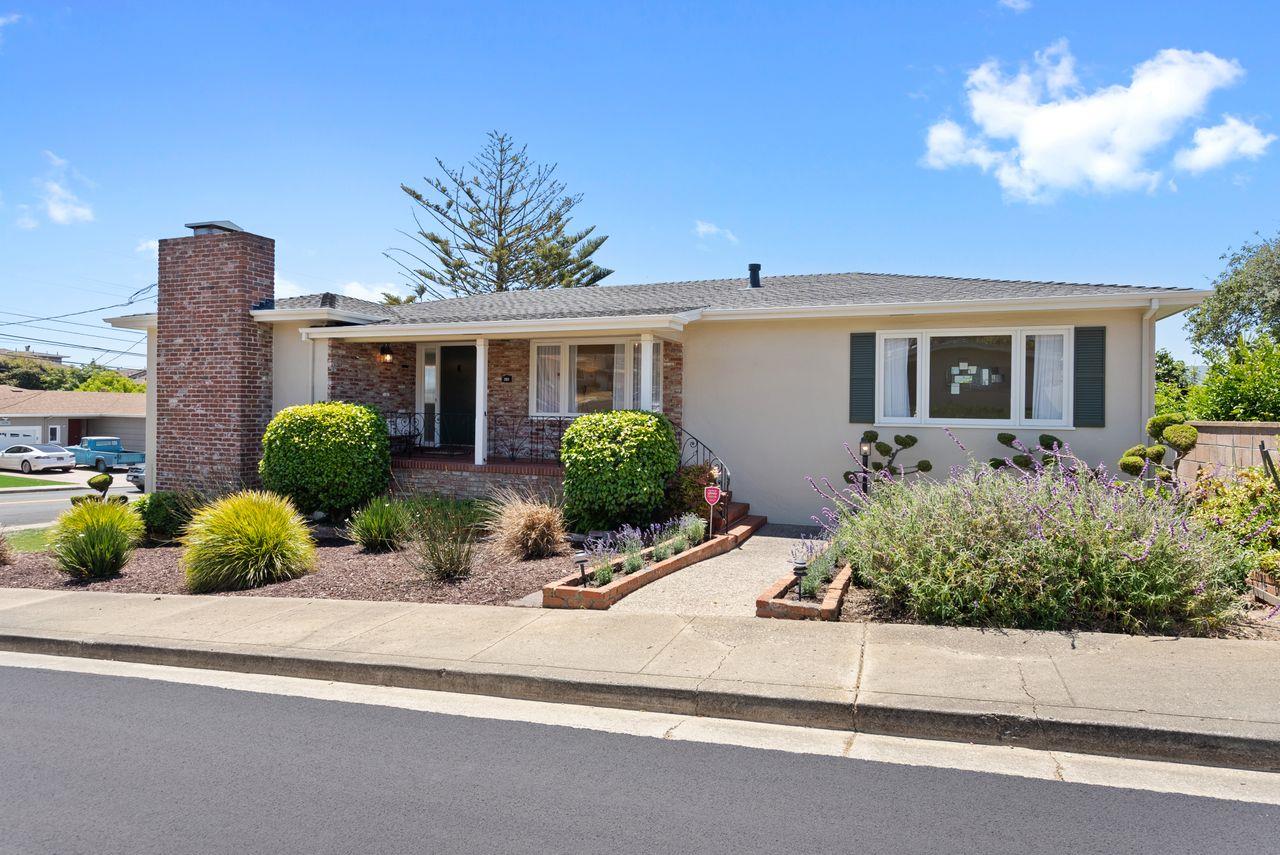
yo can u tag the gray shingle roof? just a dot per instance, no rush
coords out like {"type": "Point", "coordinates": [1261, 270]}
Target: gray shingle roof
{"type": "Point", "coordinates": [339, 302]}
{"type": "Point", "coordinates": [830, 289]}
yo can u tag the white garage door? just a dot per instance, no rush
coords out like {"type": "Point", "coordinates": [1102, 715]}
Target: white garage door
{"type": "Point", "coordinates": [29, 433]}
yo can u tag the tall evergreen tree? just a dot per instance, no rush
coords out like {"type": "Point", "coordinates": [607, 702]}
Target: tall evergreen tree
{"type": "Point", "coordinates": [501, 223]}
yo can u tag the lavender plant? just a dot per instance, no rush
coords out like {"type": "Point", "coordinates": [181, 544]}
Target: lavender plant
{"type": "Point", "coordinates": [1042, 547]}
{"type": "Point", "coordinates": [600, 558]}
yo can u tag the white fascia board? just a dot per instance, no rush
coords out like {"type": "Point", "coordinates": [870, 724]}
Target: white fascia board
{"type": "Point", "coordinates": [525, 328]}
{"type": "Point", "coordinates": [133, 322]}
{"type": "Point", "coordinates": [1172, 301]}
{"type": "Point", "coordinates": [71, 416]}
{"type": "Point", "coordinates": [334, 315]}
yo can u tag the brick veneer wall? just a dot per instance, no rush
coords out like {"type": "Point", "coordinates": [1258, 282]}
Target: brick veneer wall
{"type": "Point", "coordinates": [509, 356]}
{"type": "Point", "coordinates": [1229, 445]}
{"type": "Point", "coordinates": [356, 374]}
{"type": "Point", "coordinates": [461, 480]}
{"type": "Point", "coordinates": [673, 381]}
{"type": "Point", "coordinates": [213, 361]}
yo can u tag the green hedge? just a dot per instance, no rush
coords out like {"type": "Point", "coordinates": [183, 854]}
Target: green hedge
{"type": "Point", "coordinates": [616, 466]}
{"type": "Point", "coordinates": [330, 457]}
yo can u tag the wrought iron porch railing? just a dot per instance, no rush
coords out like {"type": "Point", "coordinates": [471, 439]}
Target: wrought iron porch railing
{"type": "Point", "coordinates": [515, 438]}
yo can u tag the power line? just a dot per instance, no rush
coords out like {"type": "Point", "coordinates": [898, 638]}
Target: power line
{"type": "Point", "coordinates": [68, 323]}
{"type": "Point", "coordinates": [133, 298]}
{"type": "Point", "coordinates": [31, 326]}
{"type": "Point", "coordinates": [68, 344]}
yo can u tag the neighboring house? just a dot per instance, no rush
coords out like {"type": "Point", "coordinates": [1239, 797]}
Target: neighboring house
{"type": "Point", "coordinates": [28, 353]}
{"type": "Point", "coordinates": [774, 373]}
{"type": "Point", "coordinates": [30, 415]}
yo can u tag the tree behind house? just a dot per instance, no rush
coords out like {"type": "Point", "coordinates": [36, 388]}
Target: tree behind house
{"type": "Point", "coordinates": [501, 223]}
{"type": "Point", "coordinates": [1245, 299]}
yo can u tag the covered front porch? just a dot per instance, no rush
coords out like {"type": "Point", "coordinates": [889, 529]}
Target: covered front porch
{"type": "Point", "coordinates": [504, 397]}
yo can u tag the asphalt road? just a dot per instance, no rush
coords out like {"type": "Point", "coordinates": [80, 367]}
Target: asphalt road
{"type": "Point", "coordinates": [94, 764]}
{"type": "Point", "coordinates": [43, 506]}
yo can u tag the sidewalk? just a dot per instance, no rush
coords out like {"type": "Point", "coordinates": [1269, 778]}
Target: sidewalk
{"type": "Point", "coordinates": [1193, 700]}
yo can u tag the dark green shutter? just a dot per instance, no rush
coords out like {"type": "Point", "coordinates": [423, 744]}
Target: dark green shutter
{"type": "Point", "coordinates": [1090, 377]}
{"type": "Point", "coordinates": [862, 377]}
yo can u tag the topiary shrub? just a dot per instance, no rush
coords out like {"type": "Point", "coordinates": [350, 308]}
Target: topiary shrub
{"type": "Point", "coordinates": [1171, 433]}
{"type": "Point", "coordinates": [331, 457]}
{"type": "Point", "coordinates": [246, 540]}
{"type": "Point", "coordinates": [380, 526]}
{"type": "Point", "coordinates": [616, 465]}
{"type": "Point", "coordinates": [888, 467]}
{"type": "Point", "coordinates": [94, 539]}
{"type": "Point", "coordinates": [1048, 446]}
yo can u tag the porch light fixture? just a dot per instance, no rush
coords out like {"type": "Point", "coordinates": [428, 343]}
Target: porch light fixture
{"type": "Point", "coordinates": [384, 353]}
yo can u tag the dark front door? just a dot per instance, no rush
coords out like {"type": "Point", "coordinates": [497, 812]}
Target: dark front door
{"type": "Point", "coordinates": [458, 395]}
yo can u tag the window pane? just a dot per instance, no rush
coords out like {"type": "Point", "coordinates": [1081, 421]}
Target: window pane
{"type": "Point", "coordinates": [899, 392]}
{"type": "Point", "coordinates": [969, 376]}
{"type": "Point", "coordinates": [1046, 369]}
{"type": "Point", "coordinates": [635, 375]}
{"type": "Point", "coordinates": [547, 369]}
{"type": "Point", "coordinates": [592, 377]}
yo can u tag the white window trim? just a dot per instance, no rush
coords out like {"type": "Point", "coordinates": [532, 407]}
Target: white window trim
{"type": "Point", "coordinates": [1017, 377]}
{"type": "Point", "coordinates": [55, 434]}
{"type": "Point", "coordinates": [566, 394]}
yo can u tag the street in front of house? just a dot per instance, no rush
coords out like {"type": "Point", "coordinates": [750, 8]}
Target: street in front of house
{"type": "Point", "coordinates": [117, 764]}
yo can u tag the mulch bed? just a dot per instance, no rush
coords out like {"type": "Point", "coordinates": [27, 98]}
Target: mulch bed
{"type": "Point", "coordinates": [343, 572]}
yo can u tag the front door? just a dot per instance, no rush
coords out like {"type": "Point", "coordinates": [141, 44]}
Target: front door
{"type": "Point", "coordinates": [457, 395]}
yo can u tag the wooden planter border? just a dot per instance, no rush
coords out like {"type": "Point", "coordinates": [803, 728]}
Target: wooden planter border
{"type": "Point", "coordinates": [773, 603]}
{"type": "Point", "coordinates": [569, 592]}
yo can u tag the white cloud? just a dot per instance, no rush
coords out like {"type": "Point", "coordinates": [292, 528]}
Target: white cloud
{"type": "Point", "coordinates": [703, 229]}
{"type": "Point", "coordinates": [54, 161]}
{"type": "Point", "coordinates": [7, 20]}
{"type": "Point", "coordinates": [64, 207]}
{"type": "Point", "coordinates": [1213, 147]}
{"type": "Point", "coordinates": [151, 247]}
{"type": "Point", "coordinates": [359, 290]}
{"type": "Point", "coordinates": [1039, 133]}
{"type": "Point", "coordinates": [25, 220]}
{"type": "Point", "coordinates": [1016, 5]}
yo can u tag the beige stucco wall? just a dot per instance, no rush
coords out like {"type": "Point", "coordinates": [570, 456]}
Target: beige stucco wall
{"type": "Point", "coordinates": [772, 398]}
{"type": "Point", "coordinates": [300, 368]}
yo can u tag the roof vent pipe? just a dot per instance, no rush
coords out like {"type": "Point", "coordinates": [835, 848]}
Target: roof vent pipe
{"type": "Point", "coordinates": [753, 270]}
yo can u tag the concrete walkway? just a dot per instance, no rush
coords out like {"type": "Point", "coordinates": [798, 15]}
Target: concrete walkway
{"type": "Point", "coordinates": [1197, 700]}
{"type": "Point", "coordinates": [725, 585]}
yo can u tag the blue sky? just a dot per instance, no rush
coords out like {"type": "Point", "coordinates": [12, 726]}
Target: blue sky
{"type": "Point", "coordinates": [1081, 141]}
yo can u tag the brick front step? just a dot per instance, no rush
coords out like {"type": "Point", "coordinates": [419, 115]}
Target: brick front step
{"type": "Point", "coordinates": [570, 593]}
{"type": "Point", "coordinates": [1265, 587]}
{"type": "Point", "coordinates": [774, 602]}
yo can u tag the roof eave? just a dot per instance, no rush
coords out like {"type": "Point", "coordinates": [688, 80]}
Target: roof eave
{"type": "Point", "coordinates": [515, 328]}
{"type": "Point", "coordinates": [314, 314]}
{"type": "Point", "coordinates": [1172, 301]}
{"type": "Point", "coordinates": [133, 322]}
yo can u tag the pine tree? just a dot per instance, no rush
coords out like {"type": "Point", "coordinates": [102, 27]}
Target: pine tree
{"type": "Point", "coordinates": [501, 224]}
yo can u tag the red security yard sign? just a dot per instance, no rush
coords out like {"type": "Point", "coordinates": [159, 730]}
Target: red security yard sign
{"type": "Point", "coordinates": [712, 495]}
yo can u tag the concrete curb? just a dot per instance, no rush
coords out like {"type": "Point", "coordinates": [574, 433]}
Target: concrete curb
{"type": "Point", "coordinates": [1132, 735]}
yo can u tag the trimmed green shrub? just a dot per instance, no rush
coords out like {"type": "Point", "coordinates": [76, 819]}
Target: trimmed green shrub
{"type": "Point", "coordinates": [246, 540]}
{"type": "Point", "coordinates": [101, 482]}
{"type": "Point", "coordinates": [1056, 547]}
{"type": "Point", "coordinates": [380, 526]}
{"type": "Point", "coordinates": [1242, 385]}
{"type": "Point", "coordinates": [94, 539]}
{"type": "Point", "coordinates": [165, 514]}
{"type": "Point", "coordinates": [684, 489]}
{"type": "Point", "coordinates": [443, 537]}
{"type": "Point", "coordinates": [889, 466]}
{"type": "Point", "coordinates": [1169, 430]}
{"type": "Point", "coordinates": [632, 562]}
{"type": "Point", "coordinates": [616, 465]}
{"type": "Point", "coordinates": [331, 457]}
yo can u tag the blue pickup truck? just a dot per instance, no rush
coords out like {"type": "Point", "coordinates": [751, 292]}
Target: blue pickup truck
{"type": "Point", "coordinates": [104, 453]}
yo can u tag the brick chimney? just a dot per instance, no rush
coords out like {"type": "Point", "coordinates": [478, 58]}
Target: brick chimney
{"type": "Point", "coordinates": [213, 361]}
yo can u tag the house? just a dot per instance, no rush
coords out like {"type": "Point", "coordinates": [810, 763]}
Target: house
{"type": "Point", "coordinates": [769, 375]}
{"type": "Point", "coordinates": [29, 415]}
{"type": "Point", "coordinates": [28, 353]}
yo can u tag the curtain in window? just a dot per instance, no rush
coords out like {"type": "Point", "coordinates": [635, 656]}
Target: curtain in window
{"type": "Point", "coordinates": [1047, 375]}
{"type": "Point", "coordinates": [657, 376]}
{"type": "Point", "coordinates": [897, 388]}
{"type": "Point", "coordinates": [548, 378]}
{"type": "Point", "coordinates": [620, 377]}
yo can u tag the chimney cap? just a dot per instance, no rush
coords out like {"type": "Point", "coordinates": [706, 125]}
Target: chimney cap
{"type": "Point", "coordinates": [209, 227]}
{"type": "Point", "coordinates": [753, 275]}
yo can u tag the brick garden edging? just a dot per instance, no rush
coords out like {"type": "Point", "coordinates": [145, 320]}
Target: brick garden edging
{"type": "Point", "coordinates": [1265, 586]}
{"type": "Point", "coordinates": [773, 603]}
{"type": "Point", "coordinates": [569, 592]}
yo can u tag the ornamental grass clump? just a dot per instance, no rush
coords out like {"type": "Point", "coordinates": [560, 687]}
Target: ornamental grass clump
{"type": "Point", "coordinates": [525, 524]}
{"type": "Point", "coordinates": [246, 540]}
{"type": "Point", "coordinates": [380, 526]}
{"type": "Point", "coordinates": [1048, 547]}
{"type": "Point", "coordinates": [443, 539]}
{"type": "Point", "coordinates": [94, 539]}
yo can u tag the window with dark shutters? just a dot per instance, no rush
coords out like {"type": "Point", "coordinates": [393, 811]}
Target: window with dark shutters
{"type": "Point", "coordinates": [1090, 376]}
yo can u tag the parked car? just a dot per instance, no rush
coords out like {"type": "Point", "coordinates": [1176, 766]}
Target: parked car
{"type": "Point", "coordinates": [104, 453]}
{"type": "Point", "coordinates": [37, 458]}
{"type": "Point", "coordinates": [137, 476]}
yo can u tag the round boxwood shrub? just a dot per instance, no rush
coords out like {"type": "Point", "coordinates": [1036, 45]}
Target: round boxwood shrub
{"type": "Point", "coordinates": [245, 540]}
{"type": "Point", "coordinates": [94, 539]}
{"type": "Point", "coordinates": [616, 466]}
{"type": "Point", "coordinates": [329, 457]}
